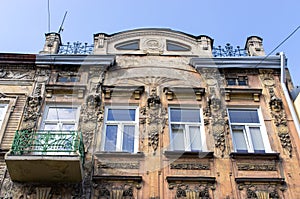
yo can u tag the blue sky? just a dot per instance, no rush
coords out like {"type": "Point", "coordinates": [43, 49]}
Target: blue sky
{"type": "Point", "coordinates": [23, 23]}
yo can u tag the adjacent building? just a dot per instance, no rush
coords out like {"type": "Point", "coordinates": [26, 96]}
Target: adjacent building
{"type": "Point", "coordinates": [147, 113]}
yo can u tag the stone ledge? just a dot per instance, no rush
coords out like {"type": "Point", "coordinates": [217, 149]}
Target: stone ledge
{"type": "Point", "coordinates": [189, 154]}
{"type": "Point", "coordinates": [255, 155]}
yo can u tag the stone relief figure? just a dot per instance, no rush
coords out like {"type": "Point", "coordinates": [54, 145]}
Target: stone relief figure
{"type": "Point", "coordinates": [16, 74]}
{"type": "Point", "coordinates": [91, 109]}
{"type": "Point", "coordinates": [33, 106]}
{"type": "Point", "coordinates": [155, 118]}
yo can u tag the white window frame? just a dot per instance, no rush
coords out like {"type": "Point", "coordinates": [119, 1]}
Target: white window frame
{"type": "Point", "coordinates": [187, 141]}
{"type": "Point", "coordinates": [121, 124]}
{"type": "Point", "coordinates": [247, 134]}
{"type": "Point", "coordinates": [3, 107]}
{"type": "Point", "coordinates": [59, 122]}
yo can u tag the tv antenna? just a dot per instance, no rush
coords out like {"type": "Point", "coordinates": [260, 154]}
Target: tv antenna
{"type": "Point", "coordinates": [62, 23]}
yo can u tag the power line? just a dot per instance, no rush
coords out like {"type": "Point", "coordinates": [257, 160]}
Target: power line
{"type": "Point", "coordinates": [291, 34]}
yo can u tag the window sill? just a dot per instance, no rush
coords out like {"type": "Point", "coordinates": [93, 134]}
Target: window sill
{"type": "Point", "coordinates": [189, 154]}
{"type": "Point", "coordinates": [260, 180]}
{"type": "Point", "coordinates": [119, 154]}
{"type": "Point", "coordinates": [171, 179]}
{"type": "Point", "coordinates": [118, 178]}
{"type": "Point", "coordinates": [236, 155]}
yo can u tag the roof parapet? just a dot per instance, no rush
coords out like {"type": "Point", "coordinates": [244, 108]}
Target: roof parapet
{"type": "Point", "coordinates": [52, 43]}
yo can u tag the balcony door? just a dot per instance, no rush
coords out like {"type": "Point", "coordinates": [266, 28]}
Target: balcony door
{"type": "Point", "coordinates": [58, 130]}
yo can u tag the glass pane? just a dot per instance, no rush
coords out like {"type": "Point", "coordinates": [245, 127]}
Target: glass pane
{"type": "Point", "coordinates": [61, 113]}
{"type": "Point", "coordinates": [195, 138]}
{"type": "Point", "coordinates": [176, 47]}
{"type": "Point", "coordinates": [243, 116]}
{"type": "Point", "coordinates": [121, 115]}
{"type": "Point", "coordinates": [257, 140]}
{"type": "Point", "coordinates": [231, 81]}
{"type": "Point", "coordinates": [50, 127]}
{"type": "Point", "coordinates": [68, 127]}
{"type": "Point", "coordinates": [68, 79]}
{"type": "Point", "coordinates": [239, 139]}
{"type": "Point", "coordinates": [242, 80]}
{"type": "Point", "coordinates": [128, 138]}
{"type": "Point", "coordinates": [2, 111]}
{"type": "Point", "coordinates": [131, 45]}
{"type": "Point", "coordinates": [111, 138]}
{"type": "Point", "coordinates": [178, 137]}
{"type": "Point", "coordinates": [185, 115]}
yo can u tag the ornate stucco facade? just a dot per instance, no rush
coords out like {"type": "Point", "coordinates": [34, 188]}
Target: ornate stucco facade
{"type": "Point", "coordinates": [147, 113]}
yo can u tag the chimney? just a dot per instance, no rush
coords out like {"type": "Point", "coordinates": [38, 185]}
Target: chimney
{"type": "Point", "coordinates": [52, 43]}
{"type": "Point", "coordinates": [254, 46]}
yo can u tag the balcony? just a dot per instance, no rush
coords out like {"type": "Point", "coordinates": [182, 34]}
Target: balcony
{"type": "Point", "coordinates": [46, 156]}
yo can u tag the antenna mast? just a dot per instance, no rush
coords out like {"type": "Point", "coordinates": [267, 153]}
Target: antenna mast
{"type": "Point", "coordinates": [62, 23]}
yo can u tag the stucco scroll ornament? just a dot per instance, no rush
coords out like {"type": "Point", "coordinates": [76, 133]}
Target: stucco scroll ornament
{"type": "Point", "coordinates": [32, 112]}
{"type": "Point", "coordinates": [153, 46]}
{"type": "Point", "coordinates": [25, 74]}
{"type": "Point", "coordinates": [116, 191]}
{"type": "Point", "coordinates": [280, 120]}
{"type": "Point", "coordinates": [189, 191]}
{"type": "Point", "coordinates": [219, 121]}
{"type": "Point", "coordinates": [156, 119]}
{"type": "Point", "coordinates": [257, 191]}
{"type": "Point", "coordinates": [91, 114]}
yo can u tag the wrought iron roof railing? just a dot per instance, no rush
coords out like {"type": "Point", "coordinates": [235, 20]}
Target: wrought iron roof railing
{"type": "Point", "coordinates": [228, 51]}
{"type": "Point", "coordinates": [47, 143]}
{"type": "Point", "coordinates": [76, 48]}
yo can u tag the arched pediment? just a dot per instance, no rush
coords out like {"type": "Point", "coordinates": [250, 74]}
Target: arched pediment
{"type": "Point", "coordinates": [153, 41]}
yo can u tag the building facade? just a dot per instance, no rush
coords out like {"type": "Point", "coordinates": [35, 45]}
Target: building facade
{"type": "Point", "coordinates": [147, 113]}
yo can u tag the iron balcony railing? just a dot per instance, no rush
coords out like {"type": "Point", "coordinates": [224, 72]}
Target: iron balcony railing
{"type": "Point", "coordinates": [47, 143]}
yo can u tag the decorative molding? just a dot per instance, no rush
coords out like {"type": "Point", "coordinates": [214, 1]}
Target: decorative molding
{"type": "Point", "coordinates": [192, 187]}
{"type": "Point", "coordinates": [91, 113]}
{"type": "Point", "coordinates": [187, 91]}
{"type": "Point", "coordinates": [148, 32]}
{"type": "Point", "coordinates": [277, 110]}
{"type": "Point", "coordinates": [118, 165]}
{"type": "Point", "coordinates": [43, 192]}
{"type": "Point", "coordinates": [20, 191]}
{"type": "Point", "coordinates": [31, 112]}
{"type": "Point", "coordinates": [156, 119]}
{"type": "Point", "coordinates": [66, 89]}
{"type": "Point", "coordinates": [261, 189]}
{"type": "Point", "coordinates": [249, 93]}
{"type": "Point", "coordinates": [112, 178]}
{"type": "Point", "coordinates": [135, 91]}
{"type": "Point", "coordinates": [256, 167]}
{"type": "Point", "coordinates": [115, 190]}
{"type": "Point", "coordinates": [189, 166]}
{"type": "Point", "coordinates": [264, 156]}
{"type": "Point", "coordinates": [188, 154]}
{"type": "Point", "coordinates": [17, 74]}
{"type": "Point", "coordinates": [153, 46]}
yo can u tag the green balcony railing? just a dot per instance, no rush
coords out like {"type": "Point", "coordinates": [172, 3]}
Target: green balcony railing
{"type": "Point", "coordinates": [48, 143]}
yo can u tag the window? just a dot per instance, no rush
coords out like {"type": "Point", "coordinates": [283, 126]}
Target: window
{"type": "Point", "coordinates": [247, 131]}
{"type": "Point", "coordinates": [58, 130]}
{"type": "Point", "coordinates": [175, 46]}
{"type": "Point", "coordinates": [68, 78]}
{"type": "Point", "coordinates": [186, 131]}
{"type": "Point", "coordinates": [60, 118]}
{"type": "Point", "coordinates": [128, 45]}
{"type": "Point", "coordinates": [3, 109]}
{"type": "Point", "coordinates": [121, 130]}
{"type": "Point", "coordinates": [240, 80]}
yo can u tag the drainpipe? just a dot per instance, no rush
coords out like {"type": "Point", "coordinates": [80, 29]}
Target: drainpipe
{"type": "Point", "coordinates": [286, 93]}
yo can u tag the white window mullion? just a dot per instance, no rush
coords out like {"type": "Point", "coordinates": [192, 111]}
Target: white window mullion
{"type": "Point", "coordinates": [187, 144]}
{"type": "Point", "coordinates": [248, 139]}
{"type": "Point", "coordinates": [119, 137]}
